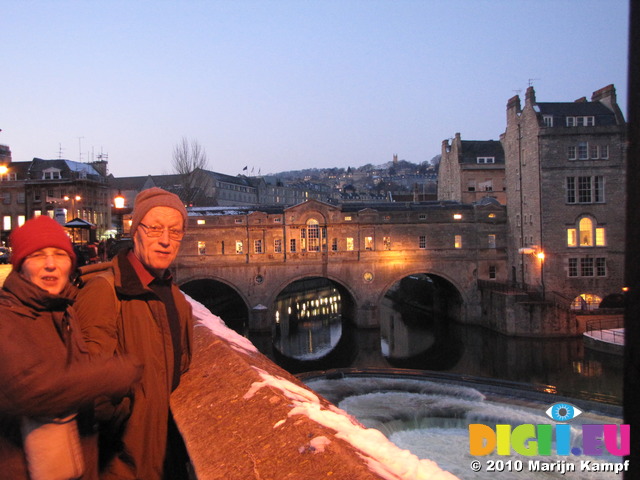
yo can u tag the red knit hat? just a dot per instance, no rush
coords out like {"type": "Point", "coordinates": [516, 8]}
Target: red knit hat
{"type": "Point", "coordinates": [38, 233]}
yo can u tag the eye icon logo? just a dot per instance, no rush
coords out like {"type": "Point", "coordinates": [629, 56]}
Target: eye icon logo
{"type": "Point", "coordinates": [563, 412]}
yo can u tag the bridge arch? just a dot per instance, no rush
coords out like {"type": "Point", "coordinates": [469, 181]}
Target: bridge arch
{"type": "Point", "coordinates": [312, 320]}
{"type": "Point", "coordinates": [222, 298]}
{"type": "Point", "coordinates": [417, 316]}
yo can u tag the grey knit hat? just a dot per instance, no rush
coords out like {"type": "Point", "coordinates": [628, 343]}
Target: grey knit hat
{"type": "Point", "coordinates": [155, 197]}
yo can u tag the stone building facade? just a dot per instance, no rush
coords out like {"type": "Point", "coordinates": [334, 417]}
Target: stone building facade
{"type": "Point", "coordinates": [471, 170]}
{"type": "Point", "coordinates": [565, 179]}
{"type": "Point", "coordinates": [259, 251]}
{"type": "Point", "coordinates": [62, 189]}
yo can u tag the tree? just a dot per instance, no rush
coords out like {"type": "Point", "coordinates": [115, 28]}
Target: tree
{"type": "Point", "coordinates": [189, 159]}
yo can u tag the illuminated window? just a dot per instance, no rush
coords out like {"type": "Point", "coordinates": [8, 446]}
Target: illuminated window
{"type": "Point", "coordinates": [586, 301]}
{"type": "Point", "coordinates": [457, 216]}
{"type": "Point", "coordinates": [347, 218]}
{"type": "Point", "coordinates": [202, 250]}
{"type": "Point", "coordinates": [386, 242]}
{"type": "Point", "coordinates": [6, 222]}
{"type": "Point", "coordinates": [313, 235]}
{"type": "Point", "coordinates": [21, 220]}
{"type": "Point", "coordinates": [368, 243]}
{"type": "Point", "coordinates": [586, 232]}
{"type": "Point", "coordinates": [350, 243]}
{"type": "Point", "coordinates": [586, 235]}
{"type": "Point", "coordinates": [239, 247]}
{"type": "Point", "coordinates": [201, 221]}
{"type": "Point", "coordinates": [457, 241]}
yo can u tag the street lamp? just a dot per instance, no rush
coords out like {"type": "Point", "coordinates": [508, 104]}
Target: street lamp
{"type": "Point", "coordinates": [74, 199]}
{"type": "Point", "coordinates": [540, 256]}
{"type": "Point", "coordinates": [118, 204]}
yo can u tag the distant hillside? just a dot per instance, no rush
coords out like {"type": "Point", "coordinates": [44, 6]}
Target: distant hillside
{"type": "Point", "coordinates": [388, 168]}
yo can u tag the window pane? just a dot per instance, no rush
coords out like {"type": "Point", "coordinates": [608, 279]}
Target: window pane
{"type": "Point", "coordinates": [350, 243]}
{"type": "Point", "coordinates": [586, 232]}
{"type": "Point", "coordinates": [573, 267]}
{"type": "Point", "coordinates": [368, 243]}
{"type": "Point", "coordinates": [583, 150]}
{"type": "Point", "coordinates": [601, 267]}
{"type": "Point", "coordinates": [586, 267]}
{"type": "Point", "coordinates": [584, 189]}
{"type": "Point", "coordinates": [598, 189]}
{"type": "Point", "coordinates": [422, 241]}
{"type": "Point", "coordinates": [572, 240]}
{"type": "Point", "coordinates": [571, 190]}
{"type": "Point", "coordinates": [458, 241]}
{"type": "Point", "coordinates": [239, 246]}
{"type": "Point", "coordinates": [313, 235]}
{"type": "Point", "coordinates": [600, 237]}
{"type": "Point", "coordinates": [202, 250]}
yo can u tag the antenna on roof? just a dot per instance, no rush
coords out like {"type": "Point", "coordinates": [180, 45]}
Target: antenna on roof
{"type": "Point", "coordinates": [531, 80]}
{"type": "Point", "coordinates": [59, 151]}
{"type": "Point", "coordinates": [80, 149]}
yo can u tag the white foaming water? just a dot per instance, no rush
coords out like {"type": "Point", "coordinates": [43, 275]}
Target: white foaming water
{"type": "Point", "coordinates": [431, 418]}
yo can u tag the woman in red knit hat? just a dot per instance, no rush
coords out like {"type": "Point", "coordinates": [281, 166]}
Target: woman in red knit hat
{"type": "Point", "coordinates": [48, 382]}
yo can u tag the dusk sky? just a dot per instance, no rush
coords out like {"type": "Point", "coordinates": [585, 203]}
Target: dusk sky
{"type": "Point", "coordinates": [290, 84]}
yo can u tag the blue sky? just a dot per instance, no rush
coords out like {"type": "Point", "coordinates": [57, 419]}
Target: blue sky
{"type": "Point", "coordinates": [290, 84]}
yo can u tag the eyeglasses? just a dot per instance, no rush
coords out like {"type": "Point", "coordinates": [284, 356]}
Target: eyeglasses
{"type": "Point", "coordinates": [154, 231]}
{"type": "Point", "coordinates": [41, 257]}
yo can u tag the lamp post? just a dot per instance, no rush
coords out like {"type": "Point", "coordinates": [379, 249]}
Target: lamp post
{"type": "Point", "coordinates": [118, 204]}
{"type": "Point", "coordinates": [540, 256]}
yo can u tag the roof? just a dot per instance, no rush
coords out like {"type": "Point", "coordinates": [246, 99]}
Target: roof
{"type": "Point", "coordinates": [39, 164]}
{"type": "Point", "coordinates": [472, 149]}
{"type": "Point", "coordinates": [603, 115]}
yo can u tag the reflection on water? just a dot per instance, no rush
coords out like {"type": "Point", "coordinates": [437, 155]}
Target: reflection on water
{"type": "Point", "coordinates": [416, 332]}
{"type": "Point", "coordinates": [308, 319]}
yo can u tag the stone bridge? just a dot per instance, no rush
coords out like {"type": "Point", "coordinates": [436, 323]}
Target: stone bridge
{"type": "Point", "coordinates": [254, 254]}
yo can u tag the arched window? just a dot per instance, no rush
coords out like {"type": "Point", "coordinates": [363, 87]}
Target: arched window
{"type": "Point", "coordinates": [313, 235]}
{"type": "Point", "coordinates": [587, 234]}
{"type": "Point", "coordinates": [586, 301]}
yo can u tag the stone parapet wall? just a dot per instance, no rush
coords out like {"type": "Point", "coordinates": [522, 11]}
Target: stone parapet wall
{"type": "Point", "coordinates": [243, 417]}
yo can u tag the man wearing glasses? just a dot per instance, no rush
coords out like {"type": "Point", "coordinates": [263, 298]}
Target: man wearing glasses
{"type": "Point", "coordinates": [131, 305]}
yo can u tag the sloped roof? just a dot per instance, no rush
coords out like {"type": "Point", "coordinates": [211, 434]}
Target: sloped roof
{"type": "Point", "coordinates": [39, 164]}
{"type": "Point", "coordinates": [472, 149]}
{"type": "Point", "coordinates": [603, 115]}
